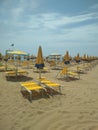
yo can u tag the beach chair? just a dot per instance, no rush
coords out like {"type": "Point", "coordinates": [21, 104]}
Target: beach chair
{"type": "Point", "coordinates": [65, 73]}
{"type": "Point", "coordinates": [43, 70]}
{"type": "Point", "coordinates": [27, 64]}
{"type": "Point", "coordinates": [80, 69]}
{"type": "Point", "coordinates": [22, 72]}
{"type": "Point", "coordinates": [7, 67]}
{"type": "Point", "coordinates": [83, 68]}
{"type": "Point", "coordinates": [50, 85]}
{"type": "Point", "coordinates": [2, 68]}
{"type": "Point", "coordinates": [32, 87]}
{"type": "Point", "coordinates": [15, 73]}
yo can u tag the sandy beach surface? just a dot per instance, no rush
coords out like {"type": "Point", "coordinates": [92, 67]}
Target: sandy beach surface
{"type": "Point", "coordinates": [75, 109]}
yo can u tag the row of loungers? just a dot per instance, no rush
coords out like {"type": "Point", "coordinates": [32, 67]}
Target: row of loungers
{"type": "Point", "coordinates": [66, 73]}
{"type": "Point", "coordinates": [44, 87]}
{"type": "Point", "coordinates": [15, 73]}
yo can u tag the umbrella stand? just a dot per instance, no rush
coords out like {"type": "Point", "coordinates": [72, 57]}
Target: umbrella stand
{"type": "Point", "coordinates": [16, 68]}
{"type": "Point", "coordinates": [6, 66]}
{"type": "Point", "coordinates": [39, 61]}
{"type": "Point", "coordinates": [39, 76]}
{"type": "Point", "coordinates": [39, 73]}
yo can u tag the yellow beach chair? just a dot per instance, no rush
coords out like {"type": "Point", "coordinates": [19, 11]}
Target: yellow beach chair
{"type": "Point", "coordinates": [2, 68]}
{"type": "Point", "coordinates": [30, 87]}
{"type": "Point", "coordinates": [65, 73]}
{"type": "Point", "coordinates": [49, 84]}
{"type": "Point", "coordinates": [14, 73]}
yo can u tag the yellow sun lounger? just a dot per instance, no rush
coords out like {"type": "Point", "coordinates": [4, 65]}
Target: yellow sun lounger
{"type": "Point", "coordinates": [67, 73]}
{"type": "Point", "coordinates": [50, 84]}
{"type": "Point", "coordinates": [14, 73]}
{"type": "Point", "coordinates": [73, 74]}
{"type": "Point", "coordinates": [2, 68]}
{"type": "Point", "coordinates": [31, 86]}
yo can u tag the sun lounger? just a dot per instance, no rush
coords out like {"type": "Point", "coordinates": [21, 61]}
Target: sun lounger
{"type": "Point", "coordinates": [44, 70]}
{"type": "Point", "coordinates": [22, 72]}
{"type": "Point", "coordinates": [54, 86]}
{"type": "Point", "coordinates": [67, 74]}
{"type": "Point", "coordinates": [15, 73]}
{"type": "Point", "coordinates": [2, 68]}
{"type": "Point", "coordinates": [73, 74]}
{"type": "Point", "coordinates": [27, 65]}
{"type": "Point", "coordinates": [31, 86]}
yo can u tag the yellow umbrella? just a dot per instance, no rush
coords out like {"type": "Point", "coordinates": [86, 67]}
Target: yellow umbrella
{"type": "Point", "coordinates": [39, 61]}
{"type": "Point", "coordinates": [17, 53]}
{"type": "Point", "coordinates": [77, 58]}
{"type": "Point", "coordinates": [67, 58]}
{"type": "Point", "coordinates": [84, 58]}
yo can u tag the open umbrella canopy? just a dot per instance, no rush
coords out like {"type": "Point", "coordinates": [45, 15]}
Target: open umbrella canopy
{"type": "Point", "coordinates": [16, 52]}
{"type": "Point", "coordinates": [39, 61]}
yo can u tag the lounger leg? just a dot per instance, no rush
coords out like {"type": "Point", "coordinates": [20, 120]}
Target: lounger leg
{"type": "Point", "coordinates": [79, 76]}
{"type": "Point", "coordinates": [60, 89]}
{"type": "Point", "coordinates": [30, 96]}
{"type": "Point", "coordinates": [67, 77]}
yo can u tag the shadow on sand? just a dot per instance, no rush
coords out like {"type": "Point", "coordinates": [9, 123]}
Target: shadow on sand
{"type": "Point", "coordinates": [19, 78]}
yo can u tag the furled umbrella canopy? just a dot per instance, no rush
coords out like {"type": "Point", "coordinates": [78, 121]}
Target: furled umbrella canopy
{"type": "Point", "coordinates": [84, 58]}
{"type": "Point", "coordinates": [39, 61]}
{"type": "Point", "coordinates": [77, 58]}
{"type": "Point", "coordinates": [88, 58]}
{"type": "Point", "coordinates": [67, 58]}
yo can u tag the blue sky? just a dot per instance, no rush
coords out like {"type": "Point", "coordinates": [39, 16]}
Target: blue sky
{"type": "Point", "coordinates": [56, 25]}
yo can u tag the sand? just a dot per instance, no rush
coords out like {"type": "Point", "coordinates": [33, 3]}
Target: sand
{"type": "Point", "coordinates": [75, 109]}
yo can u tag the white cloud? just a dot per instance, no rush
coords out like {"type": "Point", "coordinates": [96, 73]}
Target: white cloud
{"type": "Point", "coordinates": [83, 34]}
{"type": "Point", "coordinates": [20, 24]}
{"type": "Point", "coordinates": [55, 20]}
{"type": "Point", "coordinates": [16, 13]}
{"type": "Point", "coordinates": [16, 10]}
{"type": "Point", "coordinates": [21, 15]}
{"type": "Point", "coordinates": [47, 27]}
{"type": "Point", "coordinates": [95, 6]}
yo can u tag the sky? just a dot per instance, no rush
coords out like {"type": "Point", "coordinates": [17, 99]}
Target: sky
{"type": "Point", "coordinates": [56, 25]}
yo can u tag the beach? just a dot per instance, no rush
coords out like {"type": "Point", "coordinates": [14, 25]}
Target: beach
{"type": "Point", "coordinates": [75, 109]}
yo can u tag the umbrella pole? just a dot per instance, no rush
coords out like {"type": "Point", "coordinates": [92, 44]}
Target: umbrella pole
{"type": "Point", "coordinates": [39, 73]}
{"type": "Point", "coordinates": [6, 65]}
{"type": "Point", "coordinates": [39, 76]}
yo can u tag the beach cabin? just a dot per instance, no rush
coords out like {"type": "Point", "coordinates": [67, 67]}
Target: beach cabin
{"type": "Point", "coordinates": [54, 57]}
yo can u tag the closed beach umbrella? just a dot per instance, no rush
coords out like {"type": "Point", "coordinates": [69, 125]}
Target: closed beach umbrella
{"type": "Point", "coordinates": [77, 58]}
{"type": "Point", "coordinates": [39, 61]}
{"type": "Point", "coordinates": [84, 58]}
{"type": "Point", "coordinates": [67, 58]}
